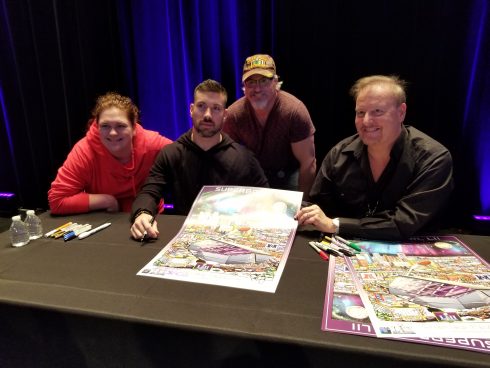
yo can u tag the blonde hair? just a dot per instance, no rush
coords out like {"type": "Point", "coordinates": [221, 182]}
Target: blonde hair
{"type": "Point", "coordinates": [397, 85]}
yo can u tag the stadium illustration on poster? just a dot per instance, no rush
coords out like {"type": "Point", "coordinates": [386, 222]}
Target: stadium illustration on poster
{"type": "Point", "coordinates": [233, 236]}
{"type": "Point", "coordinates": [427, 288]}
{"type": "Point", "coordinates": [344, 312]}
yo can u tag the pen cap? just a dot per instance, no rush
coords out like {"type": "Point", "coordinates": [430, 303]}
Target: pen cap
{"type": "Point", "coordinates": [323, 255]}
{"type": "Point", "coordinates": [69, 235]}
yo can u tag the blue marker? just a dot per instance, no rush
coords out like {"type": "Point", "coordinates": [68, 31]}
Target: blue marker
{"type": "Point", "coordinates": [77, 231]}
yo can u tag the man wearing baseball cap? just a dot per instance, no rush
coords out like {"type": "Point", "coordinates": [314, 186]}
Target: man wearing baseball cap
{"type": "Point", "coordinates": [275, 125]}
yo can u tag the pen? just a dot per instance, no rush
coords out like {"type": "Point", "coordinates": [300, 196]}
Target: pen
{"type": "Point", "coordinates": [322, 254]}
{"type": "Point", "coordinates": [90, 232]}
{"type": "Point", "coordinates": [348, 243]}
{"type": "Point", "coordinates": [48, 234]}
{"type": "Point", "coordinates": [145, 232]}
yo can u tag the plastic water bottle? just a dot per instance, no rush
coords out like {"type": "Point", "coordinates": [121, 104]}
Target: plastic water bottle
{"type": "Point", "coordinates": [19, 235]}
{"type": "Point", "coordinates": [34, 225]}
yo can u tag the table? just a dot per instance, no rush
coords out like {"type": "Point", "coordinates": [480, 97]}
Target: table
{"type": "Point", "coordinates": [81, 304]}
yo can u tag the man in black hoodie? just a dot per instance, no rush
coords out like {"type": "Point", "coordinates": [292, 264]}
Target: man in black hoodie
{"type": "Point", "coordinates": [204, 155]}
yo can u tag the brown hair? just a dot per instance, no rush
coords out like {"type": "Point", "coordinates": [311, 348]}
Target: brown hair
{"type": "Point", "coordinates": [113, 99]}
{"type": "Point", "coordinates": [398, 86]}
{"type": "Point", "coordinates": [210, 85]}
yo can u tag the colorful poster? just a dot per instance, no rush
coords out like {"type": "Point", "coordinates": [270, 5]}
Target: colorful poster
{"type": "Point", "coordinates": [344, 312]}
{"type": "Point", "coordinates": [430, 287]}
{"type": "Point", "coordinates": [233, 236]}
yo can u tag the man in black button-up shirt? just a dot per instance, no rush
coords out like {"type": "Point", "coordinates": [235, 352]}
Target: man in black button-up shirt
{"type": "Point", "coordinates": [387, 181]}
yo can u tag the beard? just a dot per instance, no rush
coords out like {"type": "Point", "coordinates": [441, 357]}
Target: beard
{"type": "Point", "coordinates": [259, 105]}
{"type": "Point", "coordinates": [205, 130]}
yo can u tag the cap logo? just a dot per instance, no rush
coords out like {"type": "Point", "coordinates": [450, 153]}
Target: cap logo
{"type": "Point", "coordinates": [259, 64]}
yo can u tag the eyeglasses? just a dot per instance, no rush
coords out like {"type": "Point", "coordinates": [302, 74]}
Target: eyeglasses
{"type": "Point", "coordinates": [262, 82]}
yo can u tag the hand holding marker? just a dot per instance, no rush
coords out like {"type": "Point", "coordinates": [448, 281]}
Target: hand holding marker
{"type": "Point", "coordinates": [145, 234]}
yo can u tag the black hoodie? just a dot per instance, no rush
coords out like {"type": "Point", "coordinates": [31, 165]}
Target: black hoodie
{"type": "Point", "coordinates": [182, 168]}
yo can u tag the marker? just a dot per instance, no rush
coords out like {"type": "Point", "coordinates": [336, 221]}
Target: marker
{"type": "Point", "coordinates": [330, 249]}
{"type": "Point", "coordinates": [322, 254]}
{"type": "Point", "coordinates": [146, 233]}
{"type": "Point", "coordinates": [336, 251]}
{"type": "Point", "coordinates": [65, 230]}
{"type": "Point", "coordinates": [349, 252]}
{"type": "Point", "coordinates": [343, 251]}
{"type": "Point", "coordinates": [340, 244]}
{"type": "Point", "coordinates": [48, 234]}
{"type": "Point", "coordinates": [93, 231]}
{"type": "Point", "coordinates": [348, 243]}
{"type": "Point", "coordinates": [74, 233]}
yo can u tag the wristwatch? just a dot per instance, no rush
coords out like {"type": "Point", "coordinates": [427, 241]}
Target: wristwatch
{"type": "Point", "coordinates": [336, 223]}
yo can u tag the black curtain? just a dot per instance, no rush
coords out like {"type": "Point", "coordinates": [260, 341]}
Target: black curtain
{"type": "Point", "coordinates": [57, 57]}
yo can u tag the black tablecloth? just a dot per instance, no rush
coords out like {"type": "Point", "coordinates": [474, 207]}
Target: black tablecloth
{"type": "Point", "coordinates": [80, 303]}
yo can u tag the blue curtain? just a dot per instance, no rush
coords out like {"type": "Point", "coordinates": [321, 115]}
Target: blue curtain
{"type": "Point", "coordinates": [477, 108]}
{"type": "Point", "coordinates": [58, 56]}
{"type": "Point", "coordinates": [175, 45]}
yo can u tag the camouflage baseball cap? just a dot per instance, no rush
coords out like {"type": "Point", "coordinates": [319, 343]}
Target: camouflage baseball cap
{"type": "Point", "coordinates": [259, 64]}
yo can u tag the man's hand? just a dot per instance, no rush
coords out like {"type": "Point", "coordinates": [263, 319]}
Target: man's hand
{"type": "Point", "coordinates": [142, 226]}
{"type": "Point", "coordinates": [313, 215]}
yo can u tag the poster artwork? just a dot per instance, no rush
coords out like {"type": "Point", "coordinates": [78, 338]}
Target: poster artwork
{"type": "Point", "coordinates": [233, 236]}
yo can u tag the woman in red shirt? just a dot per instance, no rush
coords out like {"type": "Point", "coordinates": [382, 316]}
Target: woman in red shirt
{"type": "Point", "coordinates": [106, 168]}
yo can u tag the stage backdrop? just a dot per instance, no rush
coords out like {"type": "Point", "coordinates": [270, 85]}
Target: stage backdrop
{"type": "Point", "coordinates": [58, 56]}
